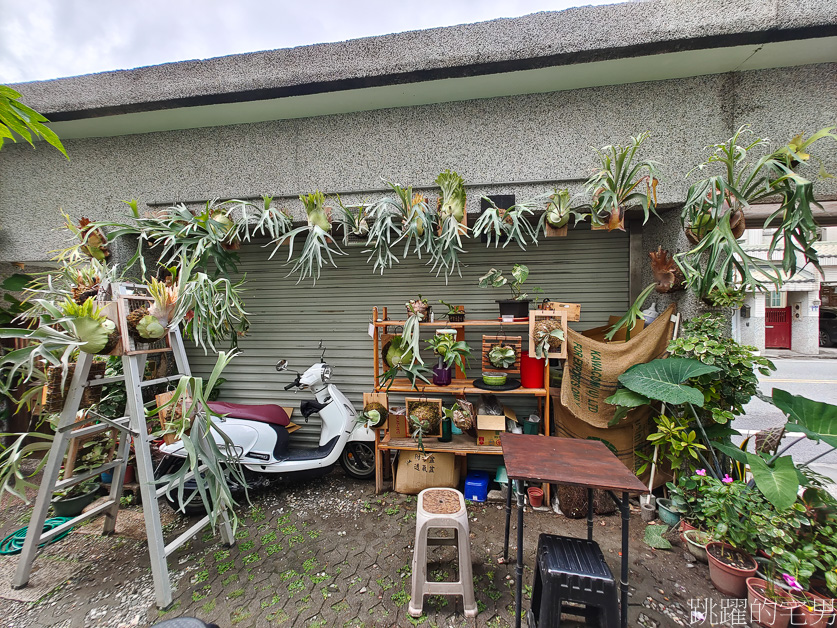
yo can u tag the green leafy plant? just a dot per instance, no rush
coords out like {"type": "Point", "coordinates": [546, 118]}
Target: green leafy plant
{"type": "Point", "coordinates": [15, 117]}
{"type": "Point", "coordinates": [559, 210]}
{"type": "Point", "coordinates": [354, 220]}
{"type": "Point", "coordinates": [90, 326]}
{"type": "Point", "coordinates": [207, 448]}
{"type": "Point", "coordinates": [319, 248]}
{"type": "Point", "coordinates": [502, 356]}
{"type": "Point", "coordinates": [728, 390]}
{"type": "Point", "coordinates": [714, 206]}
{"type": "Point", "coordinates": [634, 314]}
{"type": "Point", "coordinates": [622, 180]}
{"type": "Point", "coordinates": [451, 216]}
{"type": "Point", "coordinates": [494, 279]}
{"type": "Point", "coordinates": [548, 334]}
{"type": "Point", "coordinates": [450, 350]}
{"type": "Point", "coordinates": [512, 224]}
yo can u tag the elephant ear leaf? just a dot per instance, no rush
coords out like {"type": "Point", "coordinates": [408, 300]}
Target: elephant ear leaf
{"type": "Point", "coordinates": [625, 399]}
{"type": "Point", "coordinates": [662, 380]}
{"type": "Point", "coordinates": [778, 483]}
{"type": "Point", "coordinates": [816, 419]}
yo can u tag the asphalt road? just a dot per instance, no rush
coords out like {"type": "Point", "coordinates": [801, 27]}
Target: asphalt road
{"type": "Point", "coordinates": [812, 378]}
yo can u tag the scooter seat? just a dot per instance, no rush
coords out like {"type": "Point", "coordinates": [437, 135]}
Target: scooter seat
{"type": "Point", "coordinates": [266, 413]}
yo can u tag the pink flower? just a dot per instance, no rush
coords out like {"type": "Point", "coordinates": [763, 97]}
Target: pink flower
{"type": "Point", "coordinates": [727, 479]}
{"type": "Point", "coordinates": [701, 471]}
{"type": "Point", "coordinates": [792, 583]}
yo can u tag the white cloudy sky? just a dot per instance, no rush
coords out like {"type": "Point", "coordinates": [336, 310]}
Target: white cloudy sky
{"type": "Point", "coordinates": [43, 39]}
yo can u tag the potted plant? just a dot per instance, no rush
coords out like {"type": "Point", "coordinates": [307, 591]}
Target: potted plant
{"type": "Point", "coordinates": [451, 352]}
{"type": "Point", "coordinates": [149, 323]}
{"type": "Point", "coordinates": [420, 308]}
{"type": "Point", "coordinates": [770, 606]}
{"type": "Point", "coordinates": [730, 505]}
{"type": "Point", "coordinates": [452, 224]}
{"type": "Point", "coordinates": [71, 501]}
{"type": "Point", "coordinates": [696, 542]}
{"type": "Point", "coordinates": [374, 414]}
{"type": "Point", "coordinates": [548, 334]}
{"type": "Point", "coordinates": [455, 313]}
{"type": "Point", "coordinates": [518, 305]}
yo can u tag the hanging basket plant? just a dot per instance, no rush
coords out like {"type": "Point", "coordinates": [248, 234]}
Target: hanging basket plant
{"type": "Point", "coordinates": [667, 275]}
{"type": "Point", "coordinates": [622, 180]}
{"type": "Point", "coordinates": [548, 333]}
{"type": "Point", "coordinates": [58, 384]}
{"type": "Point", "coordinates": [501, 353]}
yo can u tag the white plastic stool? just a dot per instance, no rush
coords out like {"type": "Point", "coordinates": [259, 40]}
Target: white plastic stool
{"type": "Point", "coordinates": [442, 508]}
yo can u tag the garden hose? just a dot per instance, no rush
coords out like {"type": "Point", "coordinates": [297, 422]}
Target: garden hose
{"type": "Point", "coordinates": [13, 543]}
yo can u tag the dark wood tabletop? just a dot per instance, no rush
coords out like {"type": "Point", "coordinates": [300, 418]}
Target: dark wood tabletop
{"type": "Point", "coordinates": [571, 461]}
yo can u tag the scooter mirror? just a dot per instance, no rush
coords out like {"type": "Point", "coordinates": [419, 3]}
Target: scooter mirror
{"type": "Point", "coordinates": [281, 365]}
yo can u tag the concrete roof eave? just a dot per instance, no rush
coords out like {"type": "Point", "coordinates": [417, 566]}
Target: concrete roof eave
{"type": "Point", "coordinates": [543, 52]}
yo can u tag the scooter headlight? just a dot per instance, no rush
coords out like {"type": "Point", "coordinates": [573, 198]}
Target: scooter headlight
{"type": "Point", "coordinates": [326, 373]}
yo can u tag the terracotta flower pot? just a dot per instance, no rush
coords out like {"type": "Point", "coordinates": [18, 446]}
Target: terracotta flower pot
{"type": "Point", "coordinates": [730, 579]}
{"type": "Point", "coordinates": [535, 496]}
{"type": "Point", "coordinates": [685, 525]}
{"type": "Point", "coordinates": [771, 613]}
{"type": "Point", "coordinates": [815, 612]}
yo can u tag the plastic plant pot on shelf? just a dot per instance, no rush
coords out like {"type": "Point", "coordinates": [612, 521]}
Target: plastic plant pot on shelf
{"type": "Point", "coordinates": [531, 371]}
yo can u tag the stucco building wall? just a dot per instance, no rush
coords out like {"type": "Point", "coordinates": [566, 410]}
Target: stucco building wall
{"type": "Point", "coordinates": [536, 137]}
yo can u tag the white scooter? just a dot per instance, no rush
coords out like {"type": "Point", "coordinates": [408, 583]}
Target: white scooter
{"type": "Point", "coordinates": [261, 440]}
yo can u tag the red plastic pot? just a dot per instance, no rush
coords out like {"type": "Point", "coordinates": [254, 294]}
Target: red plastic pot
{"type": "Point", "coordinates": [129, 475]}
{"type": "Point", "coordinates": [729, 579]}
{"type": "Point", "coordinates": [685, 525]}
{"type": "Point", "coordinates": [809, 615]}
{"type": "Point", "coordinates": [531, 371]}
{"type": "Point", "coordinates": [535, 496]}
{"type": "Point", "coordinates": [765, 611]}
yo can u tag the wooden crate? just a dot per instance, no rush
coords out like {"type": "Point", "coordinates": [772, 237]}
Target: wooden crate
{"type": "Point", "coordinates": [381, 398]}
{"type": "Point", "coordinates": [516, 342]}
{"type": "Point", "coordinates": [534, 317]}
{"type": "Point", "coordinates": [126, 305]}
{"type": "Point", "coordinates": [413, 400]}
{"type": "Point", "coordinates": [573, 309]}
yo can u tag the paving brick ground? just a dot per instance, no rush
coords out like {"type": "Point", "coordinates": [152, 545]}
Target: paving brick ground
{"type": "Point", "coordinates": [328, 553]}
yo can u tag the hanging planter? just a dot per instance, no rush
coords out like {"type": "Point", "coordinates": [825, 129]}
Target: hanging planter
{"type": "Point", "coordinates": [548, 333]}
{"type": "Point", "coordinates": [55, 391]}
{"type": "Point", "coordinates": [501, 353]}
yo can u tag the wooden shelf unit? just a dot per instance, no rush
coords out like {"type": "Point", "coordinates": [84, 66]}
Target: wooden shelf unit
{"type": "Point", "coordinates": [462, 444]}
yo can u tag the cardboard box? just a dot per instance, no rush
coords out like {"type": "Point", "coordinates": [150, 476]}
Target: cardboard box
{"type": "Point", "coordinates": [624, 441]}
{"type": "Point", "coordinates": [491, 426]}
{"type": "Point", "coordinates": [415, 471]}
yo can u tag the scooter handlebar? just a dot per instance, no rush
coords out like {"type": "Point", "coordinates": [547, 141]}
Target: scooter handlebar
{"type": "Point", "coordinates": [291, 385]}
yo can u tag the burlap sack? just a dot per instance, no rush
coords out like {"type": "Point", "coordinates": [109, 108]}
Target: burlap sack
{"type": "Point", "coordinates": [592, 367]}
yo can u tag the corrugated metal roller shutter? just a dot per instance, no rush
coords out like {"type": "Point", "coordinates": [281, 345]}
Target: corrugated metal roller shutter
{"type": "Point", "coordinates": [288, 319]}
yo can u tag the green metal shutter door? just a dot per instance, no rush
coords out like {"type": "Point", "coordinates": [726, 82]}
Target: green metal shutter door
{"type": "Point", "coordinates": [288, 319]}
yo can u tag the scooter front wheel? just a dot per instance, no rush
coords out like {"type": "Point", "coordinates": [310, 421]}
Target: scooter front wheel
{"type": "Point", "coordinates": [358, 459]}
{"type": "Point", "coordinates": [194, 505]}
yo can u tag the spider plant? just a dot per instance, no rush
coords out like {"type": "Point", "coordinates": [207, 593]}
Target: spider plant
{"type": "Point", "coordinates": [620, 182]}
{"type": "Point", "coordinates": [512, 224]}
{"type": "Point", "coordinates": [713, 203]}
{"type": "Point", "coordinates": [317, 250]}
